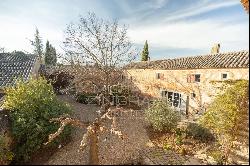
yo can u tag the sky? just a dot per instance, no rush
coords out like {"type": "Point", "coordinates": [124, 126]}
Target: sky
{"type": "Point", "coordinates": [173, 28]}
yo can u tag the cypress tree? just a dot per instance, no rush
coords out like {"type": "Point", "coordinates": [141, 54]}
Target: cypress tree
{"type": "Point", "coordinates": [50, 54]}
{"type": "Point", "coordinates": [145, 53]}
{"type": "Point", "coordinates": [53, 55]}
{"type": "Point", "coordinates": [47, 54]}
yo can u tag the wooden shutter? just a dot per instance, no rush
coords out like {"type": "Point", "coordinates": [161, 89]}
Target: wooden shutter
{"type": "Point", "coordinates": [157, 75]}
{"type": "Point", "coordinates": [192, 78]}
{"type": "Point", "coordinates": [161, 76]}
{"type": "Point", "coordinates": [163, 93]}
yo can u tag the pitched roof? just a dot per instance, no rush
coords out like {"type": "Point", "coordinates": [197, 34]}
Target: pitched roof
{"type": "Point", "coordinates": [15, 65]}
{"type": "Point", "coordinates": [238, 59]}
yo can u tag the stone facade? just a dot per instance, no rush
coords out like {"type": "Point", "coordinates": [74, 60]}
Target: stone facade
{"type": "Point", "coordinates": [191, 89]}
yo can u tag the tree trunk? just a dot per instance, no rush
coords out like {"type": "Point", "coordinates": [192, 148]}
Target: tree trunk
{"type": "Point", "coordinates": [93, 151]}
{"type": "Point", "coordinates": [187, 106]}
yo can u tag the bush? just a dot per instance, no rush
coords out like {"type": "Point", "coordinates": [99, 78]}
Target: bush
{"type": "Point", "coordinates": [32, 105]}
{"type": "Point", "coordinates": [59, 80]}
{"type": "Point", "coordinates": [198, 132]}
{"type": "Point", "coordinates": [162, 117]}
{"type": "Point", "coordinates": [227, 111]}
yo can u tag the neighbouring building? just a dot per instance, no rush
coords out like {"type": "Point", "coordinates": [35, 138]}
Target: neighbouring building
{"type": "Point", "coordinates": [16, 65]}
{"type": "Point", "coordinates": [189, 83]}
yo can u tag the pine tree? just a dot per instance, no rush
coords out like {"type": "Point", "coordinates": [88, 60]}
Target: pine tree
{"type": "Point", "coordinates": [145, 53]}
{"type": "Point", "coordinates": [53, 55]}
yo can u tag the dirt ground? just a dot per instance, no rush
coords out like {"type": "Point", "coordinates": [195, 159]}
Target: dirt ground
{"type": "Point", "coordinates": [112, 150]}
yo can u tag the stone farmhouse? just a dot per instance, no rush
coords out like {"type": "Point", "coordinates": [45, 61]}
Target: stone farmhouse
{"type": "Point", "coordinates": [16, 65]}
{"type": "Point", "coordinates": [189, 83]}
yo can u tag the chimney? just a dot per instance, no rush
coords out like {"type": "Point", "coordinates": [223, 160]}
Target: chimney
{"type": "Point", "coordinates": [215, 49]}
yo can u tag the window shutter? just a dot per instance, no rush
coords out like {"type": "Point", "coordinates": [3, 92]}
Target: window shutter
{"type": "Point", "coordinates": [192, 78]}
{"type": "Point", "coordinates": [157, 75]}
{"type": "Point", "coordinates": [161, 76]}
{"type": "Point", "coordinates": [162, 93]}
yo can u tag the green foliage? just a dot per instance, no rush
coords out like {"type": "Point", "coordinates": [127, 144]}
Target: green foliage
{"type": "Point", "coordinates": [37, 43]}
{"type": "Point", "coordinates": [167, 146]}
{"type": "Point", "coordinates": [198, 132]}
{"type": "Point", "coordinates": [145, 53]}
{"type": "Point", "coordinates": [227, 111]}
{"type": "Point", "coordinates": [50, 54]}
{"type": "Point", "coordinates": [217, 155]}
{"type": "Point", "coordinates": [32, 104]}
{"type": "Point", "coordinates": [162, 117]}
{"type": "Point", "coordinates": [180, 135]}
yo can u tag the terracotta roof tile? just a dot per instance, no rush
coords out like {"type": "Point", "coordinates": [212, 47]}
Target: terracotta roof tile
{"type": "Point", "coordinates": [238, 59]}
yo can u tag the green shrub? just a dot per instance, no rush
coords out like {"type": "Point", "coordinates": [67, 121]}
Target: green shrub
{"type": "Point", "coordinates": [227, 111]}
{"type": "Point", "coordinates": [161, 116]}
{"type": "Point", "coordinates": [32, 104]}
{"type": "Point", "coordinates": [218, 156]}
{"type": "Point", "coordinates": [198, 132]}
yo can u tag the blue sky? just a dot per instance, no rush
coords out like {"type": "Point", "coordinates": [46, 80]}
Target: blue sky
{"type": "Point", "coordinates": [173, 28]}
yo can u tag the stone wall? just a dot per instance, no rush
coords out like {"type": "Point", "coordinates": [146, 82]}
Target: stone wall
{"type": "Point", "coordinates": [146, 81]}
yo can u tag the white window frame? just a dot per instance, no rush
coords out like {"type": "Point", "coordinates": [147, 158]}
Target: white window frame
{"type": "Point", "coordinates": [171, 103]}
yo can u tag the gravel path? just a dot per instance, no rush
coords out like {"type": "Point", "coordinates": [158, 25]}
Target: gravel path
{"type": "Point", "coordinates": [112, 150]}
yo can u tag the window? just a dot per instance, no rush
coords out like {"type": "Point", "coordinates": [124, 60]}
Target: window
{"type": "Point", "coordinates": [193, 95]}
{"type": "Point", "coordinates": [193, 78]}
{"type": "Point", "coordinates": [122, 77]}
{"type": "Point", "coordinates": [224, 76]}
{"type": "Point", "coordinates": [197, 78]}
{"type": "Point", "coordinates": [173, 98]}
{"type": "Point", "coordinates": [158, 75]}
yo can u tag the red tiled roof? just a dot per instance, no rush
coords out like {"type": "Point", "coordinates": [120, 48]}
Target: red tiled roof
{"type": "Point", "coordinates": [238, 59]}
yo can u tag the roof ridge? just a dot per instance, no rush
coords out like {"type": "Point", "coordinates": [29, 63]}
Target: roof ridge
{"type": "Point", "coordinates": [218, 60]}
{"type": "Point", "coordinates": [202, 55]}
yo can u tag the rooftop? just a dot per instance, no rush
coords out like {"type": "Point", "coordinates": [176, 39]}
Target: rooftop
{"type": "Point", "coordinates": [15, 65]}
{"type": "Point", "coordinates": [238, 59]}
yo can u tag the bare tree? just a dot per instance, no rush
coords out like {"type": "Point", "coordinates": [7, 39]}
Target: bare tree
{"type": "Point", "coordinates": [98, 43]}
{"type": "Point", "coordinates": [96, 51]}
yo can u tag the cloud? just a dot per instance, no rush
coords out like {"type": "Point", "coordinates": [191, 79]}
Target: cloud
{"type": "Point", "coordinates": [193, 35]}
{"type": "Point", "coordinates": [199, 8]}
{"type": "Point", "coordinates": [167, 25]}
